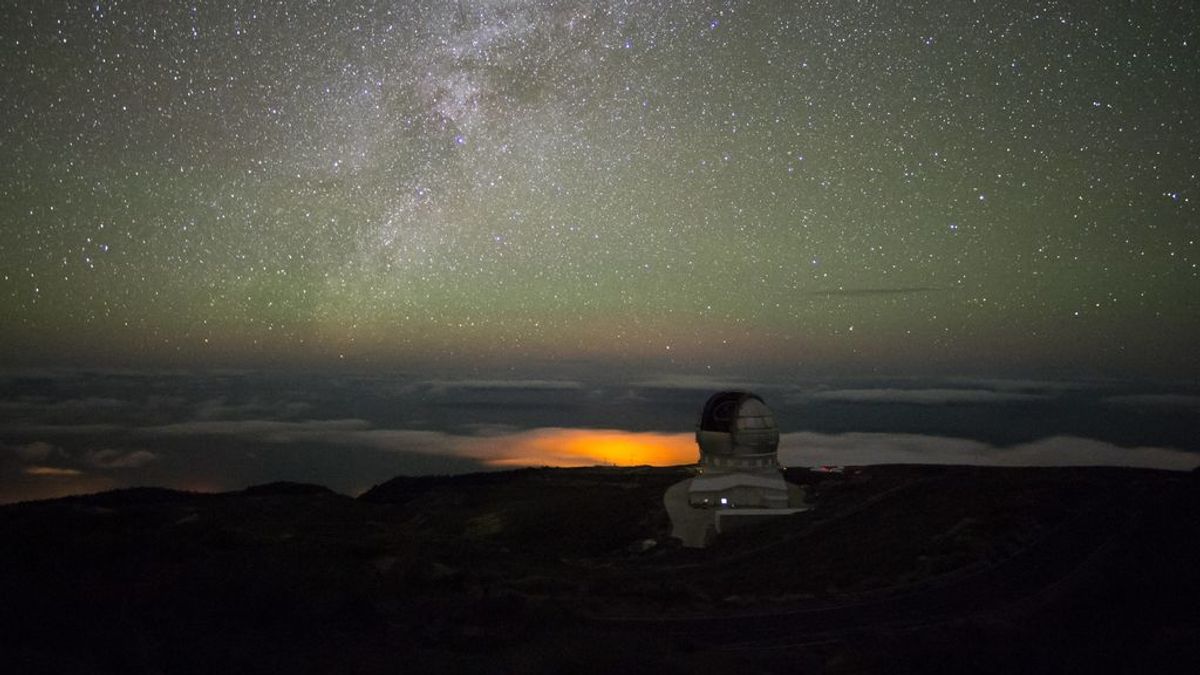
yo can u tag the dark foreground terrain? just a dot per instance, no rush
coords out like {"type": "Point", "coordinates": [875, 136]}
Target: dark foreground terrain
{"type": "Point", "coordinates": [895, 569]}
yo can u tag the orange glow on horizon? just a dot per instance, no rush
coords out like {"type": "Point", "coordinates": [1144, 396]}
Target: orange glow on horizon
{"type": "Point", "coordinates": [586, 447]}
{"type": "Point", "coordinates": [52, 472]}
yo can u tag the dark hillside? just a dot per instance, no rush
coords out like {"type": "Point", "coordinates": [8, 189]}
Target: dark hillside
{"type": "Point", "coordinates": [552, 570]}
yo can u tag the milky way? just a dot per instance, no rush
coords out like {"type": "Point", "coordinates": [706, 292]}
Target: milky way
{"type": "Point", "coordinates": [687, 186]}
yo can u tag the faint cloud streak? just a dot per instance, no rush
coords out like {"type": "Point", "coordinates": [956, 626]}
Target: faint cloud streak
{"type": "Point", "coordinates": [923, 396]}
{"type": "Point", "coordinates": [874, 292]}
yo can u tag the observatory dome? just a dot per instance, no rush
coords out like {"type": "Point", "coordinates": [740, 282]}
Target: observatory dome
{"type": "Point", "coordinates": [736, 425]}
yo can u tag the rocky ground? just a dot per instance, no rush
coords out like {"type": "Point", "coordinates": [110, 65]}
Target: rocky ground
{"type": "Point", "coordinates": [895, 568]}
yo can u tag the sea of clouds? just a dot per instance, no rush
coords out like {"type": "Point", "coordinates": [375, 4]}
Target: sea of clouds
{"type": "Point", "coordinates": [64, 432]}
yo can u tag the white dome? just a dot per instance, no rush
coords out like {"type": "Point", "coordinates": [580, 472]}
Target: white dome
{"type": "Point", "coordinates": [736, 424]}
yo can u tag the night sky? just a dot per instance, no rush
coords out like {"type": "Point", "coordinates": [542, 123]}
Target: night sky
{"type": "Point", "coordinates": [687, 186]}
{"type": "Point", "coordinates": [339, 241]}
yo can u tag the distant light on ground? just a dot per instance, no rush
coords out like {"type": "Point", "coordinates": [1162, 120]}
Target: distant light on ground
{"type": "Point", "coordinates": [585, 447]}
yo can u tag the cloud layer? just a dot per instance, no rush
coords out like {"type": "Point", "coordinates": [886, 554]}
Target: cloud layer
{"type": "Point", "coordinates": [63, 433]}
{"type": "Point", "coordinates": [853, 449]}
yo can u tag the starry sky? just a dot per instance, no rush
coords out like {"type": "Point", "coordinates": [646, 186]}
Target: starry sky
{"type": "Point", "coordinates": [557, 186]}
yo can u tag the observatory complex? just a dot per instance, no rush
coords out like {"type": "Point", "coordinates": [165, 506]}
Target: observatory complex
{"type": "Point", "coordinates": [739, 479]}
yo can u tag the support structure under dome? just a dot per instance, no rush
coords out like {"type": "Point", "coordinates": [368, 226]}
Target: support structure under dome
{"type": "Point", "coordinates": [739, 479]}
